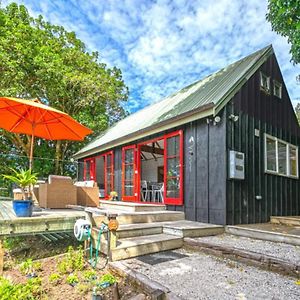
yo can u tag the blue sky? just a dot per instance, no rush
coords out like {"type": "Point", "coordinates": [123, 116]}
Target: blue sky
{"type": "Point", "coordinates": [161, 46]}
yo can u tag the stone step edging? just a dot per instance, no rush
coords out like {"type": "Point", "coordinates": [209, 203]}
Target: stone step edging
{"type": "Point", "coordinates": [248, 257]}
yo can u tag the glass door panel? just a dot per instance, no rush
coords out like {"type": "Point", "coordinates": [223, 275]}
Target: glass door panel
{"type": "Point", "coordinates": [128, 173]}
{"type": "Point", "coordinates": [174, 168]}
{"type": "Point", "coordinates": [105, 174]}
{"type": "Point", "coordinates": [89, 169]}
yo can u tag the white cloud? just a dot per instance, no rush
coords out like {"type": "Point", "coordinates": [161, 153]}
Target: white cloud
{"type": "Point", "coordinates": [164, 45]}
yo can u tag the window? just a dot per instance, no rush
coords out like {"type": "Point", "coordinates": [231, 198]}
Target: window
{"type": "Point", "coordinates": [265, 82]}
{"type": "Point", "coordinates": [277, 89]}
{"type": "Point", "coordinates": [281, 158]}
{"type": "Point", "coordinates": [293, 160]}
{"type": "Point", "coordinates": [271, 154]}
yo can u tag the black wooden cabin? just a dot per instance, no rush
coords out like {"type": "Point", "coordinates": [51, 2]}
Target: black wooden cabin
{"type": "Point", "coordinates": [224, 150]}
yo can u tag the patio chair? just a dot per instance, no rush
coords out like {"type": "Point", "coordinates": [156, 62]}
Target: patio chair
{"type": "Point", "coordinates": [158, 192]}
{"type": "Point", "coordinates": [58, 192]}
{"type": "Point", "coordinates": [87, 193]}
{"type": "Point", "coordinates": [145, 192]}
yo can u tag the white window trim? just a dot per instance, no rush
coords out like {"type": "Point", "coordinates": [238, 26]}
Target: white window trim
{"type": "Point", "coordinates": [265, 89]}
{"type": "Point", "coordinates": [288, 145]}
{"type": "Point", "coordinates": [279, 85]}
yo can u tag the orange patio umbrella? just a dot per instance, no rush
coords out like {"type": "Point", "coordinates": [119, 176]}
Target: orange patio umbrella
{"type": "Point", "coordinates": [38, 120]}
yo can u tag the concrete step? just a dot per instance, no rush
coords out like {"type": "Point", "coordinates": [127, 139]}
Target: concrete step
{"type": "Point", "coordinates": [141, 245]}
{"type": "Point", "coordinates": [264, 235]}
{"type": "Point", "coordinates": [141, 217]}
{"type": "Point", "coordinates": [130, 206]}
{"type": "Point", "coordinates": [290, 221]}
{"type": "Point", "coordinates": [186, 228]}
{"type": "Point", "coordinates": [140, 229]}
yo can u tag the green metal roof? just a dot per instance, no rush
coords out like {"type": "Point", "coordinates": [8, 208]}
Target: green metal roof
{"type": "Point", "coordinates": [214, 91]}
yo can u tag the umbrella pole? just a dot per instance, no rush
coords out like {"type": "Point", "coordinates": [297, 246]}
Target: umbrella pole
{"type": "Point", "coordinates": [31, 152]}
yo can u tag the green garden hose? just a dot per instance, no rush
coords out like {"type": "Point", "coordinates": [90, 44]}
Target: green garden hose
{"type": "Point", "coordinates": [93, 260]}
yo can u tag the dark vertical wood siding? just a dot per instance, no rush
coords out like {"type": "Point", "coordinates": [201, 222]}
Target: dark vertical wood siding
{"type": "Point", "coordinates": [271, 115]}
{"type": "Point", "coordinates": [204, 172]}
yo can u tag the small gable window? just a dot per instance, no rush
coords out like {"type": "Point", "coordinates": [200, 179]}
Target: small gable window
{"type": "Point", "coordinates": [277, 89]}
{"type": "Point", "coordinates": [265, 82]}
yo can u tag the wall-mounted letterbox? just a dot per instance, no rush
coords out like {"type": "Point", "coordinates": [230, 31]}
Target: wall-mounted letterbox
{"type": "Point", "coordinates": [236, 165]}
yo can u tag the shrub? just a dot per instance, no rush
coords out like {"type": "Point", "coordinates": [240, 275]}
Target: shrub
{"type": "Point", "coordinates": [55, 278]}
{"type": "Point", "coordinates": [72, 279]}
{"type": "Point", "coordinates": [83, 288]}
{"type": "Point", "coordinates": [30, 291]}
{"type": "Point", "coordinates": [90, 275]}
{"type": "Point", "coordinates": [108, 278]}
{"type": "Point", "coordinates": [26, 266]}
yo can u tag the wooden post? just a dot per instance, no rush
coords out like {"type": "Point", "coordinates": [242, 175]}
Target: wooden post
{"type": "Point", "coordinates": [1, 258]}
{"type": "Point", "coordinates": [113, 225]}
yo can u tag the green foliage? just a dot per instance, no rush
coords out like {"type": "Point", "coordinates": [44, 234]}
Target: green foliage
{"type": "Point", "coordinates": [23, 178]}
{"type": "Point", "coordinates": [10, 243]}
{"type": "Point", "coordinates": [83, 288]}
{"type": "Point", "coordinates": [73, 261]}
{"type": "Point", "coordinates": [26, 266]}
{"type": "Point", "coordinates": [55, 278]}
{"type": "Point", "coordinates": [62, 267]}
{"type": "Point", "coordinates": [44, 61]}
{"type": "Point", "coordinates": [72, 279]}
{"type": "Point", "coordinates": [30, 291]}
{"type": "Point", "coordinates": [108, 278]}
{"type": "Point", "coordinates": [89, 275]}
{"type": "Point", "coordinates": [37, 266]}
{"type": "Point", "coordinates": [284, 17]}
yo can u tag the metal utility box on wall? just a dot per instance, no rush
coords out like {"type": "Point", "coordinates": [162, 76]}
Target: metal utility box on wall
{"type": "Point", "coordinates": [236, 165]}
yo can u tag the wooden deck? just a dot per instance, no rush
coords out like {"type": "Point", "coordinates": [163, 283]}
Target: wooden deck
{"type": "Point", "coordinates": [41, 222]}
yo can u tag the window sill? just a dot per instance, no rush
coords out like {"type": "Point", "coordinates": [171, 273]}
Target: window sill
{"type": "Point", "coordinates": [282, 175]}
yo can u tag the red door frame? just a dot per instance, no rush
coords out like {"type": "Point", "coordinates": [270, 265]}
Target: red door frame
{"type": "Point", "coordinates": [106, 196]}
{"type": "Point", "coordinates": [139, 165]}
{"type": "Point", "coordinates": [133, 198]}
{"type": "Point", "coordinates": [92, 168]}
{"type": "Point", "coordinates": [169, 201]}
{"type": "Point", "coordinates": [174, 201]}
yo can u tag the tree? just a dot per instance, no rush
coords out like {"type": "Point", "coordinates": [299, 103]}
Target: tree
{"type": "Point", "coordinates": [44, 61]}
{"type": "Point", "coordinates": [284, 16]}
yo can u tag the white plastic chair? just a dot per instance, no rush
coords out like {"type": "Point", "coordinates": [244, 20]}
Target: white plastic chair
{"type": "Point", "coordinates": [144, 190]}
{"type": "Point", "coordinates": [158, 194]}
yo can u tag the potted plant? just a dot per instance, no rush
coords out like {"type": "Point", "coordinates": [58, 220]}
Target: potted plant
{"type": "Point", "coordinates": [24, 179]}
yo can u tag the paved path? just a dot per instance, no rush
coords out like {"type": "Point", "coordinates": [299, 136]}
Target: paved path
{"type": "Point", "coordinates": [192, 275]}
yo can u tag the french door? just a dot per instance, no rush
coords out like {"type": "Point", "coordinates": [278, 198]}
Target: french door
{"type": "Point", "coordinates": [89, 169]}
{"type": "Point", "coordinates": [105, 173]}
{"type": "Point", "coordinates": [129, 173]}
{"type": "Point", "coordinates": [173, 168]}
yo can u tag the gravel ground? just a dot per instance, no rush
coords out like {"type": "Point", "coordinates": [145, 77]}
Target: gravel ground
{"type": "Point", "coordinates": [201, 276]}
{"type": "Point", "coordinates": [279, 250]}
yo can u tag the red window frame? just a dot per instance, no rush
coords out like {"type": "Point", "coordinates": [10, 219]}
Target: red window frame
{"type": "Point", "coordinates": [134, 179]}
{"type": "Point", "coordinates": [105, 155]}
{"type": "Point", "coordinates": [172, 200]}
{"type": "Point", "coordinates": [92, 168]}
